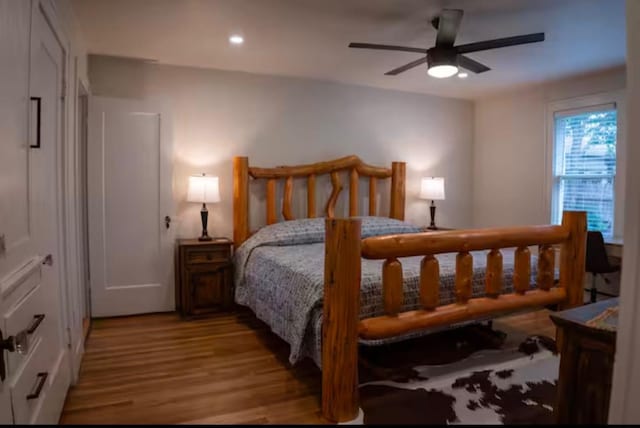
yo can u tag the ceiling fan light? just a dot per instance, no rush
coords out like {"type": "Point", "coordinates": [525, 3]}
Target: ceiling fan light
{"type": "Point", "coordinates": [442, 71]}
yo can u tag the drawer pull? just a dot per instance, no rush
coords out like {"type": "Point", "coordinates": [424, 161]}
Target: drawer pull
{"type": "Point", "coordinates": [48, 260]}
{"type": "Point", "coordinates": [37, 320]}
{"type": "Point", "coordinates": [42, 378]}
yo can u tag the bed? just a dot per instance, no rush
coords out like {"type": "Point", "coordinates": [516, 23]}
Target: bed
{"type": "Point", "coordinates": [325, 285]}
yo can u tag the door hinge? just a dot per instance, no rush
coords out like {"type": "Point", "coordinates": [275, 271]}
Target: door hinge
{"type": "Point", "coordinates": [69, 337]}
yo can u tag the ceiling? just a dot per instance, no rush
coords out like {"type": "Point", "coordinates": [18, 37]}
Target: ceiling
{"type": "Point", "coordinates": [309, 38]}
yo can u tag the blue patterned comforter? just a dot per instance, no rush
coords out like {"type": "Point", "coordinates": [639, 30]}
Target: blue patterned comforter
{"type": "Point", "coordinates": [279, 275]}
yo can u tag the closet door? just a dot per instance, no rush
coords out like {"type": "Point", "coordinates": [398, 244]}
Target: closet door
{"type": "Point", "coordinates": [17, 243]}
{"type": "Point", "coordinates": [47, 369]}
{"type": "Point", "coordinates": [45, 140]}
{"type": "Point", "coordinates": [17, 237]}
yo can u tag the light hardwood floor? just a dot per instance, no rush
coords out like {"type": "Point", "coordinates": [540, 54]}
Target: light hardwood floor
{"type": "Point", "coordinates": [157, 369]}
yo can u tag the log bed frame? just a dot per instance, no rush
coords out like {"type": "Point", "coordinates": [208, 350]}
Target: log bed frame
{"type": "Point", "coordinates": [344, 248]}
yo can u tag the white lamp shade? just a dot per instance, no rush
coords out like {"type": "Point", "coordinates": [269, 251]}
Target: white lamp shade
{"type": "Point", "coordinates": [203, 189]}
{"type": "Point", "coordinates": [432, 188]}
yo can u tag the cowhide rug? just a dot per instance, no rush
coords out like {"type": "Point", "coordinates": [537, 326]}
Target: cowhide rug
{"type": "Point", "coordinates": [471, 375]}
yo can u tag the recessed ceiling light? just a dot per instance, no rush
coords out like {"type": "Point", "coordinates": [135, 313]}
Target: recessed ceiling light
{"type": "Point", "coordinates": [463, 75]}
{"type": "Point", "coordinates": [236, 39]}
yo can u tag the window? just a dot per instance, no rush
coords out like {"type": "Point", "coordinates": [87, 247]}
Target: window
{"type": "Point", "coordinates": [584, 165]}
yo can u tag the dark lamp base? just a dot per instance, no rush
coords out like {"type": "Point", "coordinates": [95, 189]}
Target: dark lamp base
{"type": "Point", "coordinates": [204, 216]}
{"type": "Point", "coordinates": [432, 211]}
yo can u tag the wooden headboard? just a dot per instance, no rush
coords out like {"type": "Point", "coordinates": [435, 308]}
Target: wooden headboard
{"type": "Point", "coordinates": [353, 164]}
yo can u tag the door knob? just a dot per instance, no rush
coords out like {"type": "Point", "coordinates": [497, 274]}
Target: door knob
{"type": "Point", "coordinates": [19, 343]}
{"type": "Point", "coordinates": [8, 344]}
{"type": "Point", "coordinates": [167, 221]}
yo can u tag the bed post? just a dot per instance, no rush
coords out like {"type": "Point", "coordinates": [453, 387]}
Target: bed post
{"type": "Point", "coordinates": [398, 172]}
{"type": "Point", "coordinates": [572, 257]}
{"type": "Point", "coordinates": [240, 199]}
{"type": "Point", "coordinates": [341, 312]}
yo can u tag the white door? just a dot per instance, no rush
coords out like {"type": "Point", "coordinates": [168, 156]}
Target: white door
{"type": "Point", "coordinates": [17, 241]}
{"type": "Point", "coordinates": [31, 117]}
{"type": "Point", "coordinates": [130, 196]}
{"type": "Point", "coordinates": [46, 136]}
{"type": "Point", "coordinates": [46, 132]}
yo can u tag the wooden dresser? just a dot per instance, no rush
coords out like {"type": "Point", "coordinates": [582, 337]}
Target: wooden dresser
{"type": "Point", "coordinates": [204, 280]}
{"type": "Point", "coordinates": [586, 365]}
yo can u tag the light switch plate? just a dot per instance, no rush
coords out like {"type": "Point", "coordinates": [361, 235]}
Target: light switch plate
{"type": "Point", "coordinates": [3, 246]}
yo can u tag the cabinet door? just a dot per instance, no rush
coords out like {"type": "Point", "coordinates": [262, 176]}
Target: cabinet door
{"type": "Point", "coordinates": [210, 289]}
{"type": "Point", "coordinates": [46, 86]}
{"type": "Point", "coordinates": [18, 242]}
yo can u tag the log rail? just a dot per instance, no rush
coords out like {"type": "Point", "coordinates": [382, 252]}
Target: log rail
{"type": "Point", "coordinates": [342, 329]}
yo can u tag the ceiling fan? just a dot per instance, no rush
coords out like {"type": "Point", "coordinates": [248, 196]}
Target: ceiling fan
{"type": "Point", "coordinates": [444, 58]}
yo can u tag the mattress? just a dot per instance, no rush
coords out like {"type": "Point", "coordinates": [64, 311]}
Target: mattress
{"type": "Point", "coordinates": [279, 275]}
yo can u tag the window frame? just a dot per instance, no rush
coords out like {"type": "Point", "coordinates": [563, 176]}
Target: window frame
{"type": "Point", "coordinates": [617, 98]}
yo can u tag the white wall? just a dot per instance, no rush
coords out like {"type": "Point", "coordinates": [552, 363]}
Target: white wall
{"type": "Point", "coordinates": [624, 407]}
{"type": "Point", "coordinates": [278, 120]}
{"type": "Point", "coordinates": [509, 159]}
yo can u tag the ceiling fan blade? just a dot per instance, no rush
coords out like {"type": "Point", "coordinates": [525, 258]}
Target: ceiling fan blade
{"type": "Point", "coordinates": [500, 43]}
{"type": "Point", "coordinates": [471, 65]}
{"type": "Point", "coordinates": [448, 25]}
{"type": "Point", "coordinates": [386, 47]}
{"type": "Point", "coordinates": [406, 67]}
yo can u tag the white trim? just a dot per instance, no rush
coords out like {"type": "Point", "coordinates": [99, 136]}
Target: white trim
{"type": "Point", "coordinates": [618, 98]}
{"type": "Point", "coordinates": [66, 171]}
{"type": "Point", "coordinates": [625, 390]}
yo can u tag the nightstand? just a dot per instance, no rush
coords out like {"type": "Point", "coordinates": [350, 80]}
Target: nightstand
{"type": "Point", "coordinates": [204, 280]}
{"type": "Point", "coordinates": [586, 362]}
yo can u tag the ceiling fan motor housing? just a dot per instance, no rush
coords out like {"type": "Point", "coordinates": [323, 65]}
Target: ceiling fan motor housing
{"type": "Point", "coordinates": [442, 56]}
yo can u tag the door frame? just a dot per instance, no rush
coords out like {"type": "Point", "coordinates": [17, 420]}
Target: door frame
{"type": "Point", "coordinates": [623, 406]}
{"type": "Point", "coordinates": [82, 141]}
{"type": "Point", "coordinates": [67, 171]}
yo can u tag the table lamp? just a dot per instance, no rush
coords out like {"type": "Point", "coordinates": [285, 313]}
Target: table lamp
{"type": "Point", "coordinates": [203, 189]}
{"type": "Point", "coordinates": [432, 188]}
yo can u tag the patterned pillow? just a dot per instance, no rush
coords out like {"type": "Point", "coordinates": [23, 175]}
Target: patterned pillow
{"type": "Point", "coordinates": [376, 226]}
{"type": "Point", "coordinates": [292, 232]}
{"type": "Point", "coordinates": [311, 231]}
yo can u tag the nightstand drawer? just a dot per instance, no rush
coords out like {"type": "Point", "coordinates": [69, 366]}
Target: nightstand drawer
{"type": "Point", "coordinates": [210, 255]}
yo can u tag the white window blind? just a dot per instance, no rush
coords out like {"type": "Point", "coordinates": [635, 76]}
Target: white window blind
{"type": "Point", "coordinates": [584, 166]}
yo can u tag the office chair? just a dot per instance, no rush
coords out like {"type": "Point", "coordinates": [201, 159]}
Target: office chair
{"type": "Point", "coordinates": [597, 262]}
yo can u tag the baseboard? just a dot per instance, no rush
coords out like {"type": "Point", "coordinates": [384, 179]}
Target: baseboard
{"type": "Point", "coordinates": [76, 361]}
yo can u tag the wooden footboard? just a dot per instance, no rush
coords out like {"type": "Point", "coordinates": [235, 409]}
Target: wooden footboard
{"type": "Point", "coordinates": [344, 248]}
